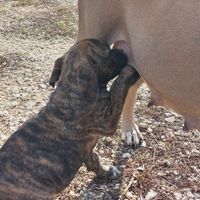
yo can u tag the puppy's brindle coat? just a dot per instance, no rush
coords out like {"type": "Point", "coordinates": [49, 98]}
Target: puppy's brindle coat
{"type": "Point", "coordinates": [42, 157]}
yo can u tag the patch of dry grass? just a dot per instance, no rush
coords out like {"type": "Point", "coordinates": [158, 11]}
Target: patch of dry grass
{"type": "Point", "coordinates": [18, 3]}
{"type": "Point", "coordinates": [45, 22]}
{"type": "Point", "coordinates": [22, 3]}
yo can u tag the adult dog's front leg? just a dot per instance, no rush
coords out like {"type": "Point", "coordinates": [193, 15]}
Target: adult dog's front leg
{"type": "Point", "coordinates": [130, 132]}
{"type": "Point", "coordinates": [118, 92]}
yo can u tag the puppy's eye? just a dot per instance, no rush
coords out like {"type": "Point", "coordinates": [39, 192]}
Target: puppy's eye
{"type": "Point", "coordinates": [107, 46]}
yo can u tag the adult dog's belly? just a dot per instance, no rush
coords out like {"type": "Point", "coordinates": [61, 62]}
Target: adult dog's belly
{"type": "Point", "coordinates": [161, 41]}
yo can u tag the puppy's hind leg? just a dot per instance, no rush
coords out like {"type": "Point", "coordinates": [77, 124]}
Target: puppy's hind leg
{"type": "Point", "coordinates": [93, 164]}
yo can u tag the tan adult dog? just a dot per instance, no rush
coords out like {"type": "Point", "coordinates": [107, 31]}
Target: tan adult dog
{"type": "Point", "coordinates": [162, 41]}
{"type": "Point", "coordinates": [42, 157]}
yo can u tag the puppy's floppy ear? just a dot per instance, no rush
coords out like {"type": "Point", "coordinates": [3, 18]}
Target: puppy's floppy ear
{"type": "Point", "coordinates": [57, 70]}
{"type": "Point", "coordinates": [87, 81]}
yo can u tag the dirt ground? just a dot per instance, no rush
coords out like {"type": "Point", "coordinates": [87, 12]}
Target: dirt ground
{"type": "Point", "coordinates": [33, 34]}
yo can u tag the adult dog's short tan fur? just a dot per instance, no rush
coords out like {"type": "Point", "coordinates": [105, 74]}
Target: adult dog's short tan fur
{"type": "Point", "coordinates": [162, 41]}
{"type": "Point", "coordinates": [42, 157]}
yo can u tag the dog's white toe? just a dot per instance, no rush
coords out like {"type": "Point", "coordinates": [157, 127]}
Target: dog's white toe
{"type": "Point", "coordinates": [132, 137]}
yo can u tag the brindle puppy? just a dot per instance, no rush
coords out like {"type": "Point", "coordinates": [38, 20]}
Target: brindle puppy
{"type": "Point", "coordinates": [42, 157]}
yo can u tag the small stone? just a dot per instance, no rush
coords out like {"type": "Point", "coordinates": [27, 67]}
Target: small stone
{"type": "Point", "coordinates": [4, 137]}
{"type": "Point", "coordinates": [24, 96]}
{"type": "Point", "coordinates": [143, 125]}
{"type": "Point", "coordinates": [16, 95]}
{"type": "Point", "coordinates": [29, 90]}
{"type": "Point", "coordinates": [184, 198]}
{"type": "Point", "coordinates": [7, 89]}
{"type": "Point", "coordinates": [5, 105]}
{"type": "Point", "coordinates": [5, 112]}
{"type": "Point", "coordinates": [108, 139]}
{"type": "Point", "coordinates": [131, 196]}
{"type": "Point", "coordinates": [135, 181]}
{"type": "Point", "coordinates": [197, 196]}
{"type": "Point", "coordinates": [32, 59]}
{"type": "Point", "coordinates": [14, 91]}
{"type": "Point", "coordinates": [149, 130]}
{"type": "Point", "coordinates": [43, 86]}
{"type": "Point", "coordinates": [177, 195]}
{"type": "Point", "coordinates": [143, 144]}
{"type": "Point", "coordinates": [161, 174]}
{"type": "Point", "coordinates": [167, 114]}
{"type": "Point", "coordinates": [1, 29]}
{"type": "Point", "coordinates": [117, 186]}
{"type": "Point", "coordinates": [11, 64]}
{"type": "Point", "coordinates": [126, 155]}
{"type": "Point", "coordinates": [29, 107]}
{"type": "Point", "coordinates": [101, 151]}
{"type": "Point", "coordinates": [12, 128]}
{"type": "Point", "coordinates": [170, 119]}
{"type": "Point", "coordinates": [187, 152]}
{"type": "Point", "coordinates": [176, 172]}
{"type": "Point", "coordinates": [190, 195]}
{"type": "Point", "coordinates": [195, 151]}
{"type": "Point", "coordinates": [151, 194]}
{"type": "Point", "coordinates": [162, 137]}
{"type": "Point", "coordinates": [140, 168]}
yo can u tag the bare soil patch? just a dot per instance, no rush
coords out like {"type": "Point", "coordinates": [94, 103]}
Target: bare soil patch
{"type": "Point", "coordinates": [33, 34]}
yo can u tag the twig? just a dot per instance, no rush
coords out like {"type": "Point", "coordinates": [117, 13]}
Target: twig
{"type": "Point", "coordinates": [130, 183]}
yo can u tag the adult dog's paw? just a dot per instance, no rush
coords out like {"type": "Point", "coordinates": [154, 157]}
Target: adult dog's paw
{"type": "Point", "coordinates": [132, 136]}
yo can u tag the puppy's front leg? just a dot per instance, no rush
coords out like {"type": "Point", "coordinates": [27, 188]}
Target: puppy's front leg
{"type": "Point", "coordinates": [103, 172]}
{"type": "Point", "coordinates": [118, 92]}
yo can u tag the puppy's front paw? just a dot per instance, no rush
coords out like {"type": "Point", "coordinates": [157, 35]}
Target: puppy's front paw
{"type": "Point", "coordinates": [110, 172]}
{"type": "Point", "coordinates": [102, 172]}
{"type": "Point", "coordinates": [113, 172]}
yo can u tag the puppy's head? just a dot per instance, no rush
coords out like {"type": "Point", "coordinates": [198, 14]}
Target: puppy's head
{"type": "Point", "coordinates": [87, 68]}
